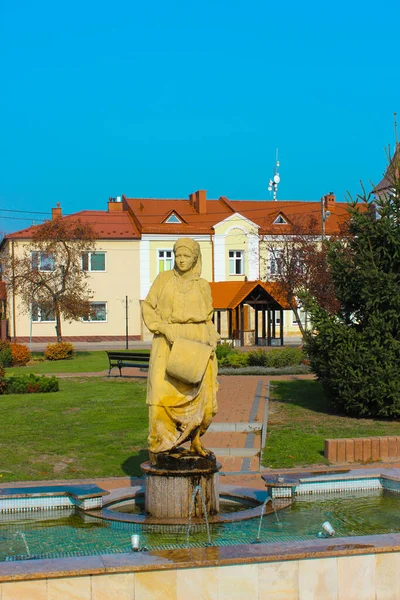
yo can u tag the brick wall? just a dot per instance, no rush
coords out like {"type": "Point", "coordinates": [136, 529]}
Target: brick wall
{"type": "Point", "coordinates": [353, 450]}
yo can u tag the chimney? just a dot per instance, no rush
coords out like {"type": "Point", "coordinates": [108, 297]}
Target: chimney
{"type": "Point", "coordinates": [199, 201]}
{"type": "Point", "coordinates": [330, 200]}
{"type": "Point", "coordinates": [56, 213]}
{"type": "Point", "coordinates": [115, 204]}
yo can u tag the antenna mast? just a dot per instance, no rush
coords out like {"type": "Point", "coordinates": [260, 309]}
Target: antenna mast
{"type": "Point", "coordinates": [395, 130]}
{"type": "Point", "coordinates": [274, 182]}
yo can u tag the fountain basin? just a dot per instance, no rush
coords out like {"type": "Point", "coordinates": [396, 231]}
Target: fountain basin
{"type": "Point", "coordinates": [341, 567]}
{"type": "Point", "coordinates": [247, 500]}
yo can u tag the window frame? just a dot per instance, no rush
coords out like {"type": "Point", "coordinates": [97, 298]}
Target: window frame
{"type": "Point", "coordinates": [37, 257]}
{"type": "Point", "coordinates": [89, 255]}
{"type": "Point", "coordinates": [39, 312]}
{"type": "Point", "coordinates": [273, 259]}
{"type": "Point", "coordinates": [164, 259]}
{"type": "Point", "coordinates": [89, 320]}
{"type": "Point", "coordinates": [234, 260]}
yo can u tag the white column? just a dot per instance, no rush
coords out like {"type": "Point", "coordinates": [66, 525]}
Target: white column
{"type": "Point", "coordinates": [144, 268]}
{"type": "Point", "coordinates": [219, 258]}
{"type": "Point", "coordinates": [254, 258]}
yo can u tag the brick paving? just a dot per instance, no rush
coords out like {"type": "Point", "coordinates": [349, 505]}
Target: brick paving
{"type": "Point", "coordinates": [241, 399]}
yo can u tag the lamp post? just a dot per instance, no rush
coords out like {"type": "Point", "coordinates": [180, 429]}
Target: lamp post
{"type": "Point", "coordinates": [324, 215]}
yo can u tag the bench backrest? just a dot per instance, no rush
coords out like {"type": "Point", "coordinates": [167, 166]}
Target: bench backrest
{"type": "Point", "coordinates": [140, 356]}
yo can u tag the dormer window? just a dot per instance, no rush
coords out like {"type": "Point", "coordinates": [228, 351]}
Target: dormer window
{"type": "Point", "coordinates": [280, 220]}
{"type": "Point", "coordinates": [173, 219]}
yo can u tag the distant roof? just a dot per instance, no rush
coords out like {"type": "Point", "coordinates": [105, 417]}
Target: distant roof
{"type": "Point", "coordinates": [151, 214]}
{"type": "Point", "coordinates": [107, 225]}
{"type": "Point", "coordinates": [230, 294]}
{"type": "Point", "coordinates": [133, 217]}
{"type": "Point", "coordinates": [390, 175]}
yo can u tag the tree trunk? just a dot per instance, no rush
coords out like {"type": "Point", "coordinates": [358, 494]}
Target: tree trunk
{"type": "Point", "coordinates": [58, 324]}
{"type": "Point", "coordinates": [299, 323]}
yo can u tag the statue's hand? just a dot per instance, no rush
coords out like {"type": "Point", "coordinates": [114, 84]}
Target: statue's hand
{"type": "Point", "coordinates": [167, 331]}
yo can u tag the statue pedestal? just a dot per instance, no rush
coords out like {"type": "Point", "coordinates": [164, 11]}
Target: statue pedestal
{"type": "Point", "coordinates": [171, 481]}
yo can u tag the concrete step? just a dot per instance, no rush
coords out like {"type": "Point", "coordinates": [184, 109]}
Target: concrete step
{"type": "Point", "coordinates": [241, 427]}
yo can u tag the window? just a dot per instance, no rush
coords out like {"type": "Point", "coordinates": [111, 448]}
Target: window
{"type": "Point", "coordinates": [236, 262]}
{"type": "Point", "coordinates": [280, 220]}
{"type": "Point", "coordinates": [98, 312]}
{"type": "Point", "coordinates": [94, 261]}
{"type": "Point", "coordinates": [275, 256]}
{"type": "Point", "coordinates": [42, 261]}
{"type": "Point", "coordinates": [42, 312]}
{"type": "Point", "coordinates": [173, 219]}
{"type": "Point", "coordinates": [165, 260]}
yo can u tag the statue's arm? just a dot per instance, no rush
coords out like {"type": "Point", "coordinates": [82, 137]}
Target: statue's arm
{"type": "Point", "coordinates": [150, 312]}
{"type": "Point", "coordinates": [212, 332]}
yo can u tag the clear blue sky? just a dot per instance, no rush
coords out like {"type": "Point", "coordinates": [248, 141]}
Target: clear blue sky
{"type": "Point", "coordinates": [158, 99]}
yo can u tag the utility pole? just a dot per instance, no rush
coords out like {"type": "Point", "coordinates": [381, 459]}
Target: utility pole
{"type": "Point", "coordinates": [324, 215]}
{"type": "Point", "coordinates": [126, 323]}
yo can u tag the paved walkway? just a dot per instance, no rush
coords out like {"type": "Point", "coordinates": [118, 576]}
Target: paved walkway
{"type": "Point", "coordinates": [236, 432]}
{"type": "Point", "coordinates": [242, 401]}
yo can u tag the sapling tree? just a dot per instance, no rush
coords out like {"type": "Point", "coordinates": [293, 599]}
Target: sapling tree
{"type": "Point", "coordinates": [298, 262]}
{"type": "Point", "coordinates": [355, 351]}
{"type": "Point", "coordinates": [47, 273]}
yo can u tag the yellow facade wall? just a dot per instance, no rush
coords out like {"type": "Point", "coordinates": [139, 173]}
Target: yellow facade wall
{"type": "Point", "coordinates": [120, 279]}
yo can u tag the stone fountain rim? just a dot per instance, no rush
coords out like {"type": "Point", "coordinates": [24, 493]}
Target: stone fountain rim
{"type": "Point", "coordinates": [235, 492]}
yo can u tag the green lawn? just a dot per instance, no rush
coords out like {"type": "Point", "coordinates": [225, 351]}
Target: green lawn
{"type": "Point", "coordinates": [82, 362]}
{"type": "Point", "coordinates": [90, 428]}
{"type": "Point", "coordinates": [299, 421]}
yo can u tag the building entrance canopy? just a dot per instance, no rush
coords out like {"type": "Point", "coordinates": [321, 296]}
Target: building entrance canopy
{"type": "Point", "coordinates": [267, 300]}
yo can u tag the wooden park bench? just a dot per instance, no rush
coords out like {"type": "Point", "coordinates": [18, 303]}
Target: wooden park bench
{"type": "Point", "coordinates": [131, 358]}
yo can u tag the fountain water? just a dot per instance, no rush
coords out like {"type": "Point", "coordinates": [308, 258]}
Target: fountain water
{"type": "Point", "coordinates": [198, 490]}
{"type": "Point", "coordinates": [264, 504]}
{"type": "Point", "coordinates": [23, 538]}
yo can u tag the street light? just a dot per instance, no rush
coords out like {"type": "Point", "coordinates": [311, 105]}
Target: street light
{"type": "Point", "coordinates": [324, 215]}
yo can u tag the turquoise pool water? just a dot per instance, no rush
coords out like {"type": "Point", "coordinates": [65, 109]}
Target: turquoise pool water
{"type": "Point", "coordinates": [63, 533]}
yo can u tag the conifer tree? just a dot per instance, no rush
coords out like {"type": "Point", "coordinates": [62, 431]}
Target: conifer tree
{"type": "Point", "coordinates": [355, 352]}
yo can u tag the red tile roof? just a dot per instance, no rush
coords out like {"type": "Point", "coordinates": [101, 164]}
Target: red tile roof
{"type": "Point", "coordinates": [138, 216]}
{"type": "Point", "coordinates": [151, 213]}
{"type": "Point", "coordinates": [230, 294]}
{"type": "Point", "coordinates": [107, 225]}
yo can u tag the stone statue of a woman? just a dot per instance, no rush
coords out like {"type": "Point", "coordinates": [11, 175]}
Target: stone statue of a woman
{"type": "Point", "coordinates": [179, 307]}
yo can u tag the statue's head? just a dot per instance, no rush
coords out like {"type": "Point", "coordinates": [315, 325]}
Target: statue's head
{"type": "Point", "coordinates": [186, 249]}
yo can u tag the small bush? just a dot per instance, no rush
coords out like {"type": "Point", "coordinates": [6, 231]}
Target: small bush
{"type": "Point", "coordinates": [6, 356]}
{"type": "Point", "coordinates": [4, 344]}
{"type": "Point", "coordinates": [59, 351]}
{"type": "Point", "coordinates": [21, 354]}
{"type": "Point", "coordinates": [257, 358]}
{"type": "Point", "coordinates": [234, 359]}
{"type": "Point", "coordinates": [30, 383]}
{"type": "Point", "coordinates": [276, 358]}
{"type": "Point", "coordinates": [3, 381]}
{"type": "Point", "coordinates": [285, 357]}
{"type": "Point", "coordinates": [223, 350]}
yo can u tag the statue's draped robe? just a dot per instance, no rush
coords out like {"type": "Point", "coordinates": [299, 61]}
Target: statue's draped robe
{"type": "Point", "coordinates": [177, 411]}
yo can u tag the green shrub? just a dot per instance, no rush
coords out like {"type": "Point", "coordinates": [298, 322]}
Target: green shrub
{"type": "Point", "coordinates": [276, 358]}
{"type": "Point", "coordinates": [285, 357]}
{"type": "Point", "coordinates": [234, 359]}
{"type": "Point", "coordinates": [6, 356]}
{"type": "Point", "coordinates": [21, 355]}
{"type": "Point", "coordinates": [59, 351]}
{"type": "Point", "coordinates": [257, 358]}
{"type": "Point", "coordinates": [3, 381]}
{"type": "Point", "coordinates": [223, 350]}
{"type": "Point", "coordinates": [29, 383]}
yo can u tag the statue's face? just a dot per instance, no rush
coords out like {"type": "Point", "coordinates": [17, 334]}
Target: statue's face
{"type": "Point", "coordinates": [184, 259]}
